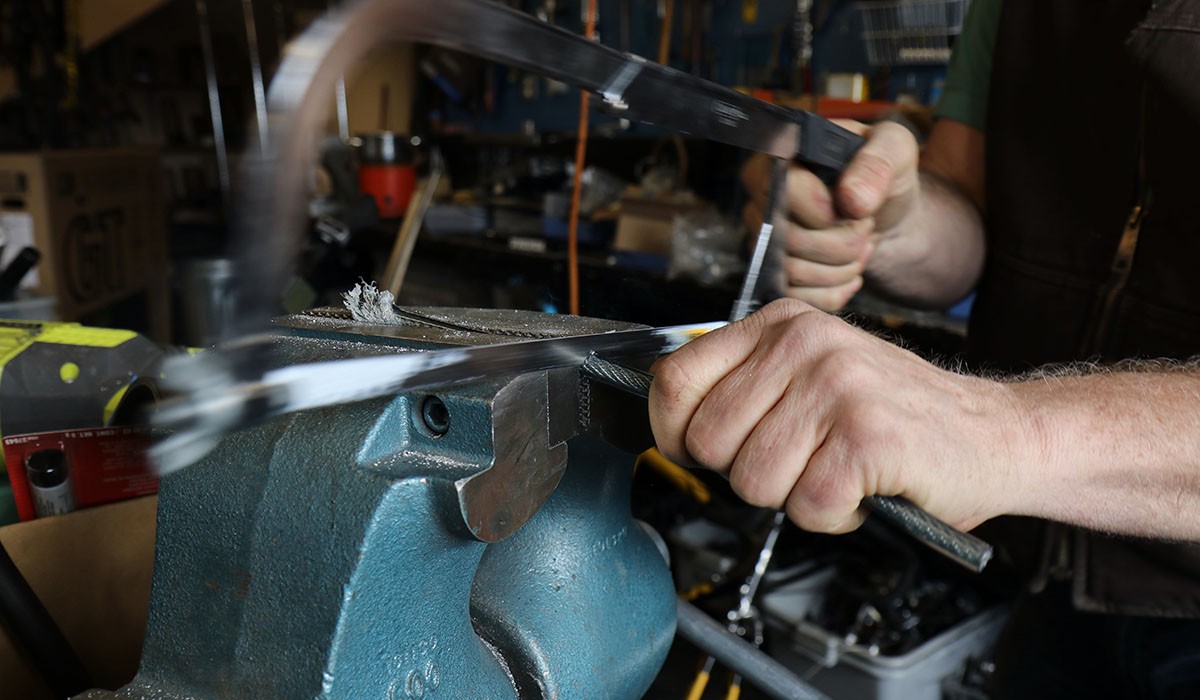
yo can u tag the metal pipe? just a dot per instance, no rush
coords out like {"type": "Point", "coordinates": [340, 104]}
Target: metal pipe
{"type": "Point", "coordinates": [256, 74]}
{"type": "Point", "coordinates": [214, 99]}
{"type": "Point", "coordinates": [760, 670]}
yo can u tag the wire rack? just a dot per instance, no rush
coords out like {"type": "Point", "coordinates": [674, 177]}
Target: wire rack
{"type": "Point", "coordinates": [910, 32]}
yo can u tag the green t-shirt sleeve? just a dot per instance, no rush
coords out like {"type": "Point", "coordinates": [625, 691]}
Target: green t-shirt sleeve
{"type": "Point", "coordinates": [965, 94]}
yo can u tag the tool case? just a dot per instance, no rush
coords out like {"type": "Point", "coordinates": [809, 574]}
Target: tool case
{"type": "Point", "coordinates": [852, 671]}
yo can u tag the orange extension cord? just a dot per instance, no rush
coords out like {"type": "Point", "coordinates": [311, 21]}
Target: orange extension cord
{"type": "Point", "coordinates": [577, 190]}
{"type": "Point", "coordinates": [664, 32]}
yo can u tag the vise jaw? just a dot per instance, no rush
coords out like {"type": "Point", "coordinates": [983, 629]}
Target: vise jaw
{"type": "Point", "coordinates": [472, 543]}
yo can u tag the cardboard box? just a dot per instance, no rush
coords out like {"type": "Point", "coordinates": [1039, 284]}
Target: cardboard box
{"type": "Point", "coordinates": [644, 225]}
{"type": "Point", "coordinates": [97, 217]}
{"type": "Point", "coordinates": [92, 570]}
{"type": "Point", "coordinates": [380, 91]}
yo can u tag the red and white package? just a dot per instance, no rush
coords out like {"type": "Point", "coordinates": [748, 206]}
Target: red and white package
{"type": "Point", "coordinates": [57, 472]}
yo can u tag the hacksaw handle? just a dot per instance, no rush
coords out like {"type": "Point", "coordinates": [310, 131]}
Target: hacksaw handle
{"type": "Point", "coordinates": [962, 547]}
{"type": "Point", "coordinates": [825, 148]}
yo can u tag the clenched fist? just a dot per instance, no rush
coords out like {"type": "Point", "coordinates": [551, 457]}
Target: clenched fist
{"type": "Point", "coordinates": [828, 237]}
{"type": "Point", "coordinates": [808, 413]}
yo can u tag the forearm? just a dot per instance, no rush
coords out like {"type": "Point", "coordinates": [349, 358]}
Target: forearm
{"type": "Point", "coordinates": [933, 257]}
{"type": "Point", "coordinates": [1120, 451]}
{"type": "Point", "coordinates": [806, 412]}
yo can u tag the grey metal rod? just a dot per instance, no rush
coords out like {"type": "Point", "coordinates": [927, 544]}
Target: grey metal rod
{"type": "Point", "coordinates": [749, 591]}
{"type": "Point", "coordinates": [340, 101]}
{"type": "Point", "coordinates": [214, 98]}
{"type": "Point", "coordinates": [752, 663]}
{"type": "Point", "coordinates": [256, 74]}
{"type": "Point", "coordinates": [963, 548]}
{"type": "Point", "coordinates": [343, 110]}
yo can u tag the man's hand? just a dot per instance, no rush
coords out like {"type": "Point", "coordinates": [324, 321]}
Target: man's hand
{"type": "Point", "coordinates": [829, 237]}
{"type": "Point", "coordinates": [808, 413]}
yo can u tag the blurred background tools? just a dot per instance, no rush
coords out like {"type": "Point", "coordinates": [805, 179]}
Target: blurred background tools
{"type": "Point", "coordinates": [386, 171]}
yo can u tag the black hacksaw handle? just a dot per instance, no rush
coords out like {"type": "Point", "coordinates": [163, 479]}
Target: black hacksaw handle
{"type": "Point", "coordinates": [825, 148]}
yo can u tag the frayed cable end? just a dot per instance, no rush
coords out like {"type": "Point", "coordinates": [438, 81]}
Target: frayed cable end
{"type": "Point", "coordinates": [371, 305]}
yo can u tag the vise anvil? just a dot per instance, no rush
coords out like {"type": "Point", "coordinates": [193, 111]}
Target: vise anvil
{"type": "Point", "coordinates": [473, 543]}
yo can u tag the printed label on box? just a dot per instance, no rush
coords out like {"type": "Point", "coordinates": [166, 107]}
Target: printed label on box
{"type": "Point", "coordinates": [57, 472]}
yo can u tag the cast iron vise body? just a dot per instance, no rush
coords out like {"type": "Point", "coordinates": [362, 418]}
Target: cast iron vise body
{"type": "Point", "coordinates": [365, 551]}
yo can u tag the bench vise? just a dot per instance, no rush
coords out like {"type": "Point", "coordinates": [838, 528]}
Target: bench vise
{"type": "Point", "coordinates": [472, 543]}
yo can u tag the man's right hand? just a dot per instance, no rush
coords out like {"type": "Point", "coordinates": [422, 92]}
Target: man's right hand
{"type": "Point", "coordinates": [828, 238]}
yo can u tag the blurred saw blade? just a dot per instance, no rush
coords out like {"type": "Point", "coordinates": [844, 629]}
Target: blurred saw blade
{"type": "Point", "coordinates": [212, 403]}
